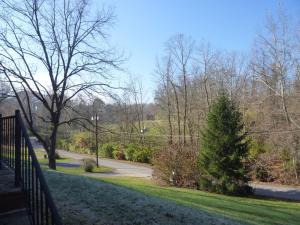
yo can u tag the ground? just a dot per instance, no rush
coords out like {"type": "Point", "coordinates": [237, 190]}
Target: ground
{"type": "Point", "coordinates": [111, 197]}
{"type": "Point", "coordinates": [131, 200]}
{"type": "Point", "coordinates": [248, 210]}
{"type": "Point", "coordinates": [126, 168]}
{"type": "Point", "coordinates": [102, 203]}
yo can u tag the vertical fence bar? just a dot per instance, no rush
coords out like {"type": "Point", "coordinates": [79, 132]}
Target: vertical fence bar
{"type": "Point", "coordinates": [1, 137]}
{"type": "Point", "coordinates": [9, 142]}
{"type": "Point", "coordinates": [4, 141]}
{"type": "Point", "coordinates": [13, 139]}
{"type": "Point", "coordinates": [32, 194]}
{"type": "Point", "coordinates": [17, 150]}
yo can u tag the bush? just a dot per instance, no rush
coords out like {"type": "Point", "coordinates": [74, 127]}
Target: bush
{"type": "Point", "coordinates": [119, 155]}
{"type": "Point", "coordinates": [63, 144]}
{"type": "Point", "coordinates": [88, 164]}
{"type": "Point", "coordinates": [107, 150]}
{"type": "Point", "coordinates": [138, 153]}
{"type": "Point", "coordinates": [177, 165]}
{"type": "Point", "coordinates": [129, 151]}
{"type": "Point", "coordinates": [57, 156]}
{"type": "Point", "coordinates": [142, 154]}
{"type": "Point", "coordinates": [81, 142]}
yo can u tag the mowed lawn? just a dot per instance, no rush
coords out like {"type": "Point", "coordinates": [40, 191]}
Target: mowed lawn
{"type": "Point", "coordinates": [248, 210]}
{"type": "Point", "coordinates": [86, 201]}
{"type": "Point", "coordinates": [124, 200]}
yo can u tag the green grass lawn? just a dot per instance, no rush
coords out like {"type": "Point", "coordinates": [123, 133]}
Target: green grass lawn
{"type": "Point", "coordinates": [246, 209]}
{"type": "Point", "coordinates": [86, 201]}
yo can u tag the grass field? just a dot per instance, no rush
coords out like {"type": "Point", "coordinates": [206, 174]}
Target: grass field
{"type": "Point", "coordinates": [86, 201]}
{"type": "Point", "coordinates": [247, 210]}
{"type": "Point", "coordinates": [139, 201]}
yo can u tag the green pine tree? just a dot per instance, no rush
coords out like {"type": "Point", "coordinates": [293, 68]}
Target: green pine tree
{"type": "Point", "coordinates": [224, 148]}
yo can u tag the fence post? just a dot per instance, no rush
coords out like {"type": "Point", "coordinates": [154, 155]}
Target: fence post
{"type": "Point", "coordinates": [1, 137]}
{"type": "Point", "coordinates": [17, 149]}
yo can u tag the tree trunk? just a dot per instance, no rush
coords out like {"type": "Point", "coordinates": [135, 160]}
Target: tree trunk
{"type": "Point", "coordinates": [178, 111]}
{"type": "Point", "coordinates": [52, 159]}
{"type": "Point", "coordinates": [52, 148]}
{"type": "Point", "coordinates": [185, 106]}
{"type": "Point", "coordinates": [206, 94]}
{"type": "Point", "coordinates": [170, 121]}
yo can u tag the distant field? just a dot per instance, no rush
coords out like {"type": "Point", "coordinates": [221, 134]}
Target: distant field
{"type": "Point", "coordinates": [152, 126]}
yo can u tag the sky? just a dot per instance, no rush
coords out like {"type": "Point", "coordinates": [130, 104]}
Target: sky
{"type": "Point", "coordinates": [143, 26]}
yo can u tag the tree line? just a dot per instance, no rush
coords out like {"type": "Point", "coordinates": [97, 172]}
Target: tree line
{"type": "Point", "coordinates": [264, 84]}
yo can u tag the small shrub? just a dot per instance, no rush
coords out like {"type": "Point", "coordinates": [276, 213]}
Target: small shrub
{"type": "Point", "coordinates": [261, 169]}
{"type": "Point", "coordinates": [64, 144]}
{"type": "Point", "coordinates": [107, 150]}
{"type": "Point", "coordinates": [142, 154]}
{"type": "Point", "coordinates": [177, 165]}
{"type": "Point", "coordinates": [119, 155]}
{"type": "Point", "coordinates": [57, 156]}
{"type": "Point", "coordinates": [81, 142]}
{"type": "Point", "coordinates": [256, 147]}
{"type": "Point", "coordinates": [88, 164]}
{"type": "Point", "coordinates": [129, 151]}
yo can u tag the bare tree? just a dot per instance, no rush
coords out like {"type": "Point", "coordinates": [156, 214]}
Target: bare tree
{"type": "Point", "coordinates": [275, 66]}
{"type": "Point", "coordinates": [181, 50]}
{"type": "Point", "coordinates": [274, 62]}
{"type": "Point", "coordinates": [207, 63]}
{"type": "Point", "coordinates": [5, 91]}
{"type": "Point", "coordinates": [53, 51]}
{"type": "Point", "coordinates": [165, 72]}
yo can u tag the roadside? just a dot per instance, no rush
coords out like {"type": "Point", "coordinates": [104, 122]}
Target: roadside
{"type": "Point", "coordinates": [120, 168]}
{"type": "Point", "coordinates": [134, 200]}
{"type": "Point", "coordinates": [130, 169]}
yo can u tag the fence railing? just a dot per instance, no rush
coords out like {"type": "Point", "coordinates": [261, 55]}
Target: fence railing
{"type": "Point", "coordinates": [16, 152]}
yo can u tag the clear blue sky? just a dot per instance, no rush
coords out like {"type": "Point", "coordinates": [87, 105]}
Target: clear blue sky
{"type": "Point", "coordinates": [143, 26]}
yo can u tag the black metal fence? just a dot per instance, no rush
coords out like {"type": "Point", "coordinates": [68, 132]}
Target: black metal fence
{"type": "Point", "coordinates": [16, 152]}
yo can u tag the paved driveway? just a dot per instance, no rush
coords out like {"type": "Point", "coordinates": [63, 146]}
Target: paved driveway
{"type": "Point", "coordinates": [121, 168]}
{"type": "Point", "coordinates": [277, 191]}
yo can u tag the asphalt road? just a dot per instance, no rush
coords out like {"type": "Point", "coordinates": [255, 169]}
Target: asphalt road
{"type": "Point", "coordinates": [277, 191]}
{"type": "Point", "coordinates": [120, 168]}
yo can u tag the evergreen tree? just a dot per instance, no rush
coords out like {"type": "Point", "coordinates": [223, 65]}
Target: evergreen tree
{"type": "Point", "coordinates": [224, 148]}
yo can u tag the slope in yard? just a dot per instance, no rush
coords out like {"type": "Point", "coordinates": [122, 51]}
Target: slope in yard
{"type": "Point", "coordinates": [87, 201]}
{"type": "Point", "coordinates": [252, 210]}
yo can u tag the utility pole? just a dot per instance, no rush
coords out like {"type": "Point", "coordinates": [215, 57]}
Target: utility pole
{"type": "Point", "coordinates": [97, 140]}
{"type": "Point", "coordinates": [96, 118]}
{"type": "Point", "coordinates": [97, 105]}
